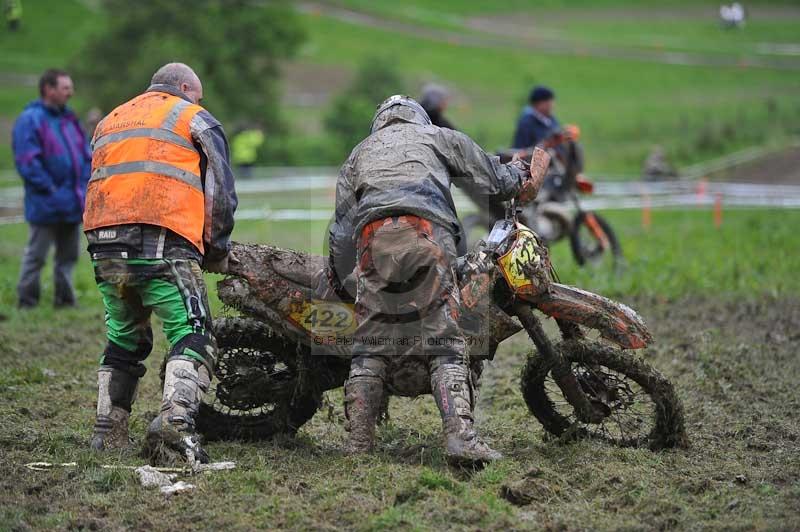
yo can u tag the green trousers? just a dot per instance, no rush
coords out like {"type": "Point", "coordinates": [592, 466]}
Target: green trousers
{"type": "Point", "coordinates": [173, 290]}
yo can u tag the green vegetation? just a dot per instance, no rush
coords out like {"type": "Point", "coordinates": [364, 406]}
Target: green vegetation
{"type": "Point", "coordinates": [677, 25]}
{"type": "Point", "coordinates": [753, 252]}
{"type": "Point", "coordinates": [728, 348]}
{"type": "Point", "coordinates": [51, 34]}
{"type": "Point", "coordinates": [354, 108]}
{"type": "Point", "coordinates": [624, 106]}
{"type": "Point", "coordinates": [234, 49]}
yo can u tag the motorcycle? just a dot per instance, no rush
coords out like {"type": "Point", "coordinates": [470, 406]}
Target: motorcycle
{"type": "Point", "coordinates": [289, 346]}
{"type": "Point", "coordinates": [591, 236]}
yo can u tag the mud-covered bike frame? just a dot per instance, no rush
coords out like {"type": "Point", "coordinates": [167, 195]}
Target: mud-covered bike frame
{"type": "Point", "coordinates": [291, 346]}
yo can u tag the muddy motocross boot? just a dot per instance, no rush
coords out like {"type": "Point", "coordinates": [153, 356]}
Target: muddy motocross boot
{"type": "Point", "coordinates": [173, 431]}
{"type": "Point", "coordinates": [363, 403]}
{"type": "Point", "coordinates": [451, 389]}
{"type": "Point", "coordinates": [116, 391]}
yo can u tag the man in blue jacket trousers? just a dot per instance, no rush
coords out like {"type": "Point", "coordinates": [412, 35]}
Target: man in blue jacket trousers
{"type": "Point", "coordinates": [52, 156]}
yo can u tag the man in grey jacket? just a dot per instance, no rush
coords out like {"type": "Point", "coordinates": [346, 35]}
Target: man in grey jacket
{"type": "Point", "coordinates": [396, 218]}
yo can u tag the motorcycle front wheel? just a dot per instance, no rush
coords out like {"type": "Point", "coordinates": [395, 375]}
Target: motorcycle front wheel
{"type": "Point", "coordinates": [592, 238]}
{"type": "Point", "coordinates": [639, 404]}
{"type": "Point", "coordinates": [255, 393]}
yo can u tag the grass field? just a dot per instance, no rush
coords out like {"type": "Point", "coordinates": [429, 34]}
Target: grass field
{"type": "Point", "coordinates": [724, 306]}
{"type": "Point", "coordinates": [723, 303]}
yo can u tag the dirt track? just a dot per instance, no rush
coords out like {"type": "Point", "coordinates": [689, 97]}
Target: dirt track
{"type": "Point", "coordinates": [782, 167]}
{"type": "Point", "coordinates": [491, 32]}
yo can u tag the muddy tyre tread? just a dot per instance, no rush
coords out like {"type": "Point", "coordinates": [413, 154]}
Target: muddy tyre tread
{"type": "Point", "coordinates": [668, 430]}
{"type": "Point", "coordinates": [292, 409]}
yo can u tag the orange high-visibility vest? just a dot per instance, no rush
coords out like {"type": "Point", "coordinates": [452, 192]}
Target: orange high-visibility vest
{"type": "Point", "coordinates": [146, 169]}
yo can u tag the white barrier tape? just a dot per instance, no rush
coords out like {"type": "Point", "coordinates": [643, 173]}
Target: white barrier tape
{"type": "Point", "coordinates": [610, 195]}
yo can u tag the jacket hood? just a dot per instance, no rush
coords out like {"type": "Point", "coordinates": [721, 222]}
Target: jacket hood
{"type": "Point", "coordinates": [399, 108]}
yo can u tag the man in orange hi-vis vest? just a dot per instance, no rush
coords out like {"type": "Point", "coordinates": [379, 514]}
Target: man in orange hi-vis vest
{"type": "Point", "coordinates": [159, 210]}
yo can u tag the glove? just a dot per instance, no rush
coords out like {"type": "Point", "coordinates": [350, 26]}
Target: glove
{"type": "Point", "coordinates": [221, 266]}
{"type": "Point", "coordinates": [529, 190]}
{"type": "Point", "coordinates": [540, 162]}
{"type": "Point", "coordinates": [572, 132]}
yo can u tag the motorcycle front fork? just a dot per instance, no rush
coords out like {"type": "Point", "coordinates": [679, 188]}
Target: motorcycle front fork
{"type": "Point", "coordinates": [561, 368]}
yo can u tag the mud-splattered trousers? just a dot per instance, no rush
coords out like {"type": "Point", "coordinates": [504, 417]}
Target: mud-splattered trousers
{"type": "Point", "coordinates": [407, 309]}
{"type": "Point", "coordinates": [132, 290]}
{"type": "Point", "coordinates": [174, 290]}
{"type": "Point", "coordinates": [407, 300]}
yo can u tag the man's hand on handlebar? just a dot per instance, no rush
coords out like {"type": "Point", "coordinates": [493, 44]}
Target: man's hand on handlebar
{"type": "Point", "coordinates": [572, 133]}
{"type": "Point", "coordinates": [554, 140]}
{"type": "Point", "coordinates": [222, 265]}
{"type": "Point", "coordinates": [540, 161]}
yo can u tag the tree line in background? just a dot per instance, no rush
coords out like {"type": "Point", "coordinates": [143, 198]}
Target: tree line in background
{"type": "Point", "coordinates": [236, 47]}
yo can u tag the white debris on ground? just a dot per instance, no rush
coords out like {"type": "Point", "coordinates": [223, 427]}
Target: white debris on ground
{"type": "Point", "coordinates": [197, 467]}
{"type": "Point", "coordinates": [45, 466]}
{"type": "Point", "coordinates": [178, 487]}
{"type": "Point", "coordinates": [214, 466]}
{"type": "Point", "coordinates": [151, 477]}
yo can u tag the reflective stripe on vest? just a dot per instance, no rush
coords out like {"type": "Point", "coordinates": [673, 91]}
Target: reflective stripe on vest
{"type": "Point", "coordinates": [147, 132]}
{"type": "Point", "coordinates": [146, 169]}
{"type": "Point", "coordinates": [152, 167]}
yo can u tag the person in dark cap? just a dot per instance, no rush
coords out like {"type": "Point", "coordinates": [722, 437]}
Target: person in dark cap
{"type": "Point", "coordinates": [536, 123]}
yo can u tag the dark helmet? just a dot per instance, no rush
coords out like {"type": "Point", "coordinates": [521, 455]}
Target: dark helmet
{"type": "Point", "coordinates": [399, 108]}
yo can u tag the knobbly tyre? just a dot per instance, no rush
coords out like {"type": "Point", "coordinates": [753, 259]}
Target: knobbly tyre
{"type": "Point", "coordinates": [557, 212]}
{"type": "Point", "coordinates": [288, 347]}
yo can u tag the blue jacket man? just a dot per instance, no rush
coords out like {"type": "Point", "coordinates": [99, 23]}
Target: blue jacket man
{"type": "Point", "coordinates": [52, 156]}
{"type": "Point", "coordinates": [536, 123]}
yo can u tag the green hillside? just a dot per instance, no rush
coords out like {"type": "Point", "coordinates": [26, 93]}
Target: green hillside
{"type": "Point", "coordinates": [620, 70]}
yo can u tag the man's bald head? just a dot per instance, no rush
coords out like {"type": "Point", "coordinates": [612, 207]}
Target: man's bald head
{"type": "Point", "coordinates": [181, 77]}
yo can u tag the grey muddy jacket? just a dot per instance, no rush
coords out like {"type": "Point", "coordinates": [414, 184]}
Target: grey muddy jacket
{"type": "Point", "coordinates": [407, 167]}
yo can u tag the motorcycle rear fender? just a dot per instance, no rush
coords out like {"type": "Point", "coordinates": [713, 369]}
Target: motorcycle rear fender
{"type": "Point", "coordinates": [615, 322]}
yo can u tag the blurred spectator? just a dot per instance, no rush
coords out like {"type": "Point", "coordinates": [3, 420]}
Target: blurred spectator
{"type": "Point", "coordinates": [732, 16]}
{"type": "Point", "coordinates": [656, 166]}
{"type": "Point", "coordinates": [244, 150]}
{"type": "Point", "coordinates": [13, 11]}
{"type": "Point", "coordinates": [537, 122]}
{"type": "Point", "coordinates": [434, 100]}
{"type": "Point", "coordinates": [52, 156]}
{"type": "Point", "coordinates": [93, 118]}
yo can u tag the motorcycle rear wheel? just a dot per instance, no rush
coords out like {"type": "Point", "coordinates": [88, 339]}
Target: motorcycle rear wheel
{"type": "Point", "coordinates": [255, 393]}
{"type": "Point", "coordinates": [608, 376]}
